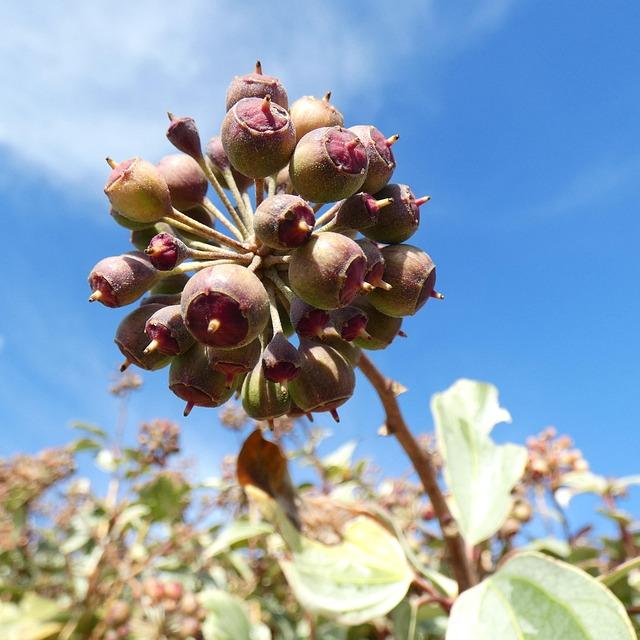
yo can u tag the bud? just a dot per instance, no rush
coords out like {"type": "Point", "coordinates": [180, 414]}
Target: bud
{"type": "Point", "coordinates": [326, 379]}
{"type": "Point", "coordinates": [382, 329]}
{"type": "Point", "coordinates": [263, 399]}
{"type": "Point", "coordinates": [183, 135]}
{"type": "Point", "coordinates": [166, 252]}
{"type": "Point", "coordinates": [284, 222]}
{"type": "Point", "coordinates": [258, 137]}
{"type": "Point", "coordinates": [256, 85]}
{"type": "Point", "coordinates": [328, 164]}
{"type": "Point", "coordinates": [119, 280]}
{"type": "Point", "coordinates": [192, 380]}
{"type": "Point", "coordinates": [220, 163]}
{"type": "Point", "coordinates": [308, 321]}
{"type": "Point", "coordinates": [309, 113]}
{"type": "Point", "coordinates": [350, 323]}
{"type": "Point", "coordinates": [137, 190]}
{"type": "Point", "coordinates": [400, 220]}
{"type": "Point", "coordinates": [412, 276]}
{"type": "Point", "coordinates": [167, 332]}
{"type": "Point", "coordinates": [225, 306]}
{"type": "Point", "coordinates": [328, 271]}
{"type": "Point", "coordinates": [381, 160]}
{"type": "Point", "coordinates": [234, 362]}
{"type": "Point", "coordinates": [132, 340]}
{"type": "Point", "coordinates": [280, 360]}
{"type": "Point", "coordinates": [185, 179]}
{"type": "Point", "coordinates": [140, 238]}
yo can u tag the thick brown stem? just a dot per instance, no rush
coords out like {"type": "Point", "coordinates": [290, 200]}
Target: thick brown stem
{"type": "Point", "coordinates": [423, 464]}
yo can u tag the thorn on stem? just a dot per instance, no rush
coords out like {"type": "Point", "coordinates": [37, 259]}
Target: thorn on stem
{"type": "Point", "coordinates": [111, 162]}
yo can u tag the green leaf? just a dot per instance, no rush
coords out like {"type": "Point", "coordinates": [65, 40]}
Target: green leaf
{"type": "Point", "coordinates": [238, 531]}
{"type": "Point", "coordinates": [362, 577]}
{"type": "Point", "coordinates": [226, 618]}
{"type": "Point", "coordinates": [533, 597]}
{"type": "Point", "coordinates": [341, 457]}
{"type": "Point", "coordinates": [32, 619]}
{"type": "Point", "coordinates": [90, 428]}
{"type": "Point", "coordinates": [620, 571]}
{"type": "Point", "coordinates": [85, 444]}
{"type": "Point", "coordinates": [166, 497]}
{"type": "Point", "coordinates": [480, 474]}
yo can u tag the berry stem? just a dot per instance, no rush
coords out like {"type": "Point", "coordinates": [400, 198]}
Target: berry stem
{"type": "Point", "coordinates": [273, 308]}
{"type": "Point", "coordinates": [271, 185]}
{"type": "Point", "coordinates": [218, 215]}
{"type": "Point", "coordinates": [245, 213]}
{"type": "Point", "coordinates": [282, 286]}
{"type": "Point", "coordinates": [185, 267]}
{"type": "Point", "coordinates": [259, 191]}
{"type": "Point", "coordinates": [327, 216]}
{"type": "Point", "coordinates": [317, 206]}
{"type": "Point", "coordinates": [219, 254]}
{"type": "Point", "coordinates": [423, 464]}
{"type": "Point", "coordinates": [247, 206]}
{"type": "Point", "coordinates": [270, 261]}
{"type": "Point", "coordinates": [205, 232]}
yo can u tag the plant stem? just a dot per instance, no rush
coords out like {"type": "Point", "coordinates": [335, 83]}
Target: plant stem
{"type": "Point", "coordinates": [237, 196]}
{"type": "Point", "coordinates": [282, 286]}
{"type": "Point", "coordinates": [273, 308]}
{"type": "Point", "coordinates": [203, 231]}
{"type": "Point", "coordinates": [211, 208]}
{"type": "Point", "coordinates": [259, 191]}
{"type": "Point", "coordinates": [423, 464]}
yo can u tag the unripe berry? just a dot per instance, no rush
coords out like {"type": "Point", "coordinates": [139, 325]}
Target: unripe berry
{"type": "Point", "coordinates": [170, 285]}
{"type": "Point", "coordinates": [412, 276]}
{"type": "Point", "coordinates": [263, 399]}
{"type": "Point", "coordinates": [258, 137]}
{"type": "Point", "coordinates": [166, 252]}
{"type": "Point", "coordinates": [225, 306]}
{"type": "Point", "coordinates": [400, 220]}
{"type": "Point", "coordinates": [359, 211]}
{"type": "Point", "coordinates": [283, 181]}
{"type": "Point", "coordinates": [234, 362]}
{"type": "Point", "coordinates": [328, 164]}
{"type": "Point", "coordinates": [309, 113]}
{"type": "Point", "coordinates": [382, 329]}
{"type": "Point", "coordinates": [167, 332]}
{"type": "Point", "coordinates": [381, 160]}
{"type": "Point", "coordinates": [256, 85]}
{"type": "Point", "coordinates": [132, 340]}
{"type": "Point", "coordinates": [164, 299]}
{"type": "Point", "coordinates": [350, 323]}
{"type": "Point", "coordinates": [347, 349]}
{"type": "Point", "coordinates": [375, 263]}
{"type": "Point", "coordinates": [183, 135]}
{"type": "Point", "coordinates": [125, 222]}
{"type": "Point", "coordinates": [284, 222]}
{"type": "Point", "coordinates": [185, 179]}
{"type": "Point", "coordinates": [328, 271]}
{"type": "Point", "coordinates": [308, 321]}
{"type": "Point", "coordinates": [192, 380]}
{"type": "Point", "coordinates": [137, 190]}
{"type": "Point", "coordinates": [326, 379]}
{"type": "Point", "coordinates": [280, 360]}
{"type": "Point", "coordinates": [173, 590]}
{"type": "Point", "coordinates": [220, 162]}
{"type": "Point", "coordinates": [119, 280]}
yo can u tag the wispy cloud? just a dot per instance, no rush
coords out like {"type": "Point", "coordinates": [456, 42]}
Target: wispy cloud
{"type": "Point", "coordinates": [91, 78]}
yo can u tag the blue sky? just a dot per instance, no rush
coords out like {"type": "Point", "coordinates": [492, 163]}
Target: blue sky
{"type": "Point", "coordinates": [519, 118]}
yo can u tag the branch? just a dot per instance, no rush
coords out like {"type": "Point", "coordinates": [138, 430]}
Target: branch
{"type": "Point", "coordinates": [422, 463]}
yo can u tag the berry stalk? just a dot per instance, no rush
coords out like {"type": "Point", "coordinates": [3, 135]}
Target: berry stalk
{"type": "Point", "coordinates": [239, 232]}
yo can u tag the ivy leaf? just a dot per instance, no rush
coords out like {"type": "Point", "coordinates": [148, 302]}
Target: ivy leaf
{"type": "Point", "coordinates": [533, 597]}
{"type": "Point", "coordinates": [479, 473]}
{"type": "Point", "coordinates": [226, 618]}
{"type": "Point", "coordinates": [165, 496]}
{"type": "Point", "coordinates": [238, 531]}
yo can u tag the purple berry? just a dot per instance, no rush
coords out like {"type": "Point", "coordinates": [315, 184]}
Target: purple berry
{"type": "Point", "coordinates": [375, 263]}
{"type": "Point", "coordinates": [328, 271]}
{"type": "Point", "coordinates": [256, 85]}
{"type": "Point", "coordinates": [220, 162]}
{"type": "Point", "coordinates": [183, 135]}
{"type": "Point", "coordinates": [381, 160]}
{"type": "Point", "coordinates": [234, 362]}
{"type": "Point", "coordinates": [258, 137]}
{"type": "Point", "coordinates": [185, 179]}
{"type": "Point", "coordinates": [280, 360]}
{"type": "Point", "coordinates": [166, 252]}
{"type": "Point", "coordinates": [225, 306]}
{"type": "Point", "coordinates": [350, 323]}
{"type": "Point", "coordinates": [167, 332]}
{"type": "Point", "coordinates": [381, 328]}
{"type": "Point", "coordinates": [328, 164]}
{"type": "Point", "coordinates": [359, 211]}
{"type": "Point", "coordinates": [170, 285]}
{"type": "Point", "coordinates": [308, 321]}
{"type": "Point", "coordinates": [284, 222]}
{"type": "Point", "coordinates": [309, 113]}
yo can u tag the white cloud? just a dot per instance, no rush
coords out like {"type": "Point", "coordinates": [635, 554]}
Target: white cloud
{"type": "Point", "coordinates": [87, 79]}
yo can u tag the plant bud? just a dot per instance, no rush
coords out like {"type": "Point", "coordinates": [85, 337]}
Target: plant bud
{"type": "Point", "coordinates": [412, 276]}
{"type": "Point", "coordinates": [284, 222]}
{"type": "Point", "coordinates": [280, 360]}
{"type": "Point", "coordinates": [381, 160]}
{"type": "Point", "coordinates": [167, 332]}
{"type": "Point", "coordinates": [185, 179]}
{"type": "Point", "coordinates": [263, 399]}
{"type": "Point", "coordinates": [350, 323]}
{"type": "Point", "coordinates": [326, 379]}
{"type": "Point", "coordinates": [309, 113]}
{"type": "Point", "coordinates": [328, 164]}
{"type": "Point", "coordinates": [191, 379]}
{"type": "Point", "coordinates": [382, 329]}
{"type": "Point", "coordinates": [308, 321]}
{"type": "Point", "coordinates": [375, 263]}
{"type": "Point", "coordinates": [166, 252]}
{"type": "Point", "coordinates": [328, 271]}
{"type": "Point", "coordinates": [256, 85]}
{"type": "Point", "coordinates": [183, 135]}
{"type": "Point", "coordinates": [132, 340]}
{"type": "Point", "coordinates": [258, 137]}
{"type": "Point", "coordinates": [119, 280]}
{"type": "Point", "coordinates": [350, 352]}
{"type": "Point", "coordinates": [220, 162]}
{"type": "Point", "coordinates": [234, 362]}
{"type": "Point", "coordinates": [225, 306]}
{"type": "Point", "coordinates": [137, 190]}
{"type": "Point", "coordinates": [359, 211]}
{"type": "Point", "coordinates": [140, 238]}
{"type": "Point", "coordinates": [170, 285]}
{"type": "Point", "coordinates": [398, 221]}
{"type": "Point", "coordinates": [123, 221]}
